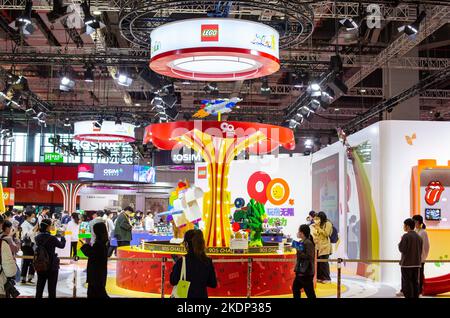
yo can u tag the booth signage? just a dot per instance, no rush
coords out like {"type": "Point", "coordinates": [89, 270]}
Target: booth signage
{"type": "Point", "coordinates": [108, 172]}
{"type": "Point", "coordinates": [213, 250]}
{"type": "Point", "coordinates": [53, 157]}
{"type": "Point", "coordinates": [8, 196]}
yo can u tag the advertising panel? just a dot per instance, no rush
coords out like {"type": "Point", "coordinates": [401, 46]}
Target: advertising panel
{"type": "Point", "coordinates": [109, 172]}
{"type": "Point", "coordinates": [145, 174]}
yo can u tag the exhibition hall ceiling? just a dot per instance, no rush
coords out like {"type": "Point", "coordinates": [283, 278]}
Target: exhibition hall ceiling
{"type": "Point", "coordinates": [61, 42]}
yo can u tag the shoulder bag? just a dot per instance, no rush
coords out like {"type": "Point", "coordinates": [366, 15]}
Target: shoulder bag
{"type": "Point", "coordinates": [182, 288]}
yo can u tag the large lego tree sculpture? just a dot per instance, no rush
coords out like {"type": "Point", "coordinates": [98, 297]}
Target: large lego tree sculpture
{"type": "Point", "coordinates": [219, 143]}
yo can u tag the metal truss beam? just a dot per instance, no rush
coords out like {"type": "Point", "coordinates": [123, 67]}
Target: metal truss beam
{"type": "Point", "coordinates": [322, 9]}
{"type": "Point", "coordinates": [436, 17]}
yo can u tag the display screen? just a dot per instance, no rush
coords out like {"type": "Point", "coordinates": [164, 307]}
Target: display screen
{"type": "Point", "coordinates": [433, 214]}
{"type": "Point", "coordinates": [109, 172]}
{"type": "Point", "coordinates": [145, 174]}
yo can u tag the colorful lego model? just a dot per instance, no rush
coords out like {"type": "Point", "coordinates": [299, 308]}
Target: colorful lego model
{"type": "Point", "coordinates": [216, 106]}
{"type": "Point", "coordinates": [251, 219]}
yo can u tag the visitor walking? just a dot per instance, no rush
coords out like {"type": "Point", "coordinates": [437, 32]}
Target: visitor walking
{"type": "Point", "coordinates": [420, 229]}
{"type": "Point", "coordinates": [123, 228]}
{"type": "Point", "coordinates": [199, 268]}
{"type": "Point", "coordinates": [321, 231]}
{"type": "Point", "coordinates": [74, 227]}
{"type": "Point", "coordinates": [27, 237]}
{"type": "Point", "coordinates": [47, 272]}
{"type": "Point", "coordinates": [97, 262]}
{"type": "Point", "coordinates": [8, 267]}
{"type": "Point", "coordinates": [410, 247]}
{"type": "Point", "coordinates": [44, 214]}
{"type": "Point", "coordinates": [304, 269]}
{"type": "Point", "coordinates": [97, 217]}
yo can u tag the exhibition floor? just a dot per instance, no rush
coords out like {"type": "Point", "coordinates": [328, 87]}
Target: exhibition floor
{"type": "Point", "coordinates": [353, 286]}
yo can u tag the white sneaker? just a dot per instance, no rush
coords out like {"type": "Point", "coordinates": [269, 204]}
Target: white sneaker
{"type": "Point", "coordinates": [399, 294]}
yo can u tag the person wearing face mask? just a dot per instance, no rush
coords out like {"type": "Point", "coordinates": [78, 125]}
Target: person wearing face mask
{"type": "Point", "coordinates": [304, 269]}
{"type": "Point", "coordinates": [321, 231]}
{"type": "Point", "coordinates": [27, 238]}
{"type": "Point", "coordinates": [123, 228]}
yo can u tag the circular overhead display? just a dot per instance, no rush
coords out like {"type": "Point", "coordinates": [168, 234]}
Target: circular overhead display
{"type": "Point", "coordinates": [293, 19]}
{"type": "Point", "coordinates": [215, 49]}
{"type": "Point", "coordinates": [108, 131]}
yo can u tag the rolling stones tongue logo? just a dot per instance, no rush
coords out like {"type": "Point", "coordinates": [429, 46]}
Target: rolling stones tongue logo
{"type": "Point", "coordinates": [433, 192]}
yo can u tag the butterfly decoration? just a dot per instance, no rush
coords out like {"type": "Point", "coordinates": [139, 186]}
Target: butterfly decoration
{"type": "Point", "coordinates": [409, 139]}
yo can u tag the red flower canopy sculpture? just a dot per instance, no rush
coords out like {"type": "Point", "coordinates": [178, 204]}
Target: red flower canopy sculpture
{"type": "Point", "coordinates": [219, 143]}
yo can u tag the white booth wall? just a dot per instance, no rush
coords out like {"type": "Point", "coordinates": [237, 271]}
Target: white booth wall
{"type": "Point", "coordinates": [394, 152]}
{"type": "Point", "coordinates": [295, 171]}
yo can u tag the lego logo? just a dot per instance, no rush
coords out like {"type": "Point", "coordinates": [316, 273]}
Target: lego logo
{"type": "Point", "coordinates": [209, 33]}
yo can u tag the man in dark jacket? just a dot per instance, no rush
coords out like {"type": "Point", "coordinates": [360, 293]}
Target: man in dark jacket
{"type": "Point", "coordinates": [49, 242]}
{"type": "Point", "coordinates": [410, 247]}
{"type": "Point", "coordinates": [122, 230]}
{"type": "Point", "coordinates": [304, 269]}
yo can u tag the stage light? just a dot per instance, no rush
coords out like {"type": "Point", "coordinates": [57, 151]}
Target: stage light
{"type": "Point", "coordinates": [413, 28]}
{"type": "Point", "coordinates": [314, 90]}
{"type": "Point", "coordinates": [118, 121]}
{"type": "Point", "coordinates": [25, 18]}
{"type": "Point", "coordinates": [58, 11]}
{"type": "Point", "coordinates": [212, 88]}
{"type": "Point", "coordinates": [89, 20]}
{"type": "Point", "coordinates": [309, 143]}
{"type": "Point", "coordinates": [314, 105]}
{"type": "Point", "coordinates": [66, 83]}
{"type": "Point", "coordinates": [67, 123]}
{"type": "Point", "coordinates": [30, 111]}
{"type": "Point", "coordinates": [349, 24]}
{"type": "Point", "coordinates": [265, 89]}
{"type": "Point", "coordinates": [89, 74]}
{"type": "Point", "coordinates": [293, 123]}
{"type": "Point", "coordinates": [123, 79]}
{"type": "Point", "coordinates": [98, 123]}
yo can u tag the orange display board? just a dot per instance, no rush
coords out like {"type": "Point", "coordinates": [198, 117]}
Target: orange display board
{"type": "Point", "coordinates": [8, 196]}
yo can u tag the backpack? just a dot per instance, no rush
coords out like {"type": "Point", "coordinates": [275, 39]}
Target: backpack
{"type": "Point", "coordinates": [41, 260]}
{"type": "Point", "coordinates": [334, 237]}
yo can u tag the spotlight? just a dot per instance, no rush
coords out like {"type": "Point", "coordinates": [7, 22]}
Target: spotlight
{"type": "Point", "coordinates": [293, 123]}
{"type": "Point", "coordinates": [89, 74]}
{"type": "Point", "coordinates": [98, 123]}
{"type": "Point", "coordinates": [309, 143]}
{"type": "Point", "coordinates": [66, 84]}
{"type": "Point", "coordinates": [41, 118]}
{"type": "Point", "coordinates": [212, 88]}
{"type": "Point", "coordinates": [58, 11]}
{"type": "Point", "coordinates": [67, 122]}
{"type": "Point", "coordinates": [314, 90]}
{"type": "Point", "coordinates": [123, 79]}
{"type": "Point", "coordinates": [413, 28]}
{"type": "Point", "coordinates": [314, 105]}
{"type": "Point", "coordinates": [30, 111]}
{"type": "Point", "coordinates": [25, 18]}
{"type": "Point", "coordinates": [349, 24]}
{"type": "Point", "coordinates": [89, 20]}
{"type": "Point", "coordinates": [338, 86]}
{"type": "Point", "coordinates": [265, 89]}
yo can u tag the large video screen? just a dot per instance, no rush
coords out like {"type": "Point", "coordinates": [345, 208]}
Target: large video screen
{"type": "Point", "coordinates": [325, 187]}
{"type": "Point", "coordinates": [145, 174]}
{"type": "Point", "coordinates": [109, 172]}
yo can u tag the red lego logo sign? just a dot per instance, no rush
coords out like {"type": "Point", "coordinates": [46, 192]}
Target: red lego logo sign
{"type": "Point", "coordinates": [210, 32]}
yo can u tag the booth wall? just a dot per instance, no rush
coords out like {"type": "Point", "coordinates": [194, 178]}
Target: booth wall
{"type": "Point", "coordinates": [394, 152]}
{"type": "Point", "coordinates": [295, 171]}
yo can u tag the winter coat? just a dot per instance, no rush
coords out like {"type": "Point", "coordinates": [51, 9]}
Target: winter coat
{"type": "Point", "coordinates": [8, 265]}
{"type": "Point", "coordinates": [50, 243]}
{"type": "Point", "coordinates": [321, 237]}
{"type": "Point", "coordinates": [96, 268]}
{"type": "Point", "coordinates": [305, 259]}
{"type": "Point", "coordinates": [411, 248]}
{"type": "Point", "coordinates": [122, 230]}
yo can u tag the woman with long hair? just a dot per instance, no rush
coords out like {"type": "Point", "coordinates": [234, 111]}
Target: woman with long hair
{"type": "Point", "coordinates": [97, 267]}
{"type": "Point", "coordinates": [199, 267]}
{"type": "Point", "coordinates": [304, 269]}
{"type": "Point", "coordinates": [74, 227]}
{"type": "Point", "coordinates": [321, 231]}
{"type": "Point", "coordinates": [420, 229]}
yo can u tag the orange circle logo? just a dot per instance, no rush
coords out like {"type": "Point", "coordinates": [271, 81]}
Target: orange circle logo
{"type": "Point", "coordinates": [277, 191]}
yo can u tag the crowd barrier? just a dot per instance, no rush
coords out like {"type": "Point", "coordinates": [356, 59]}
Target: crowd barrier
{"type": "Point", "coordinates": [248, 260]}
